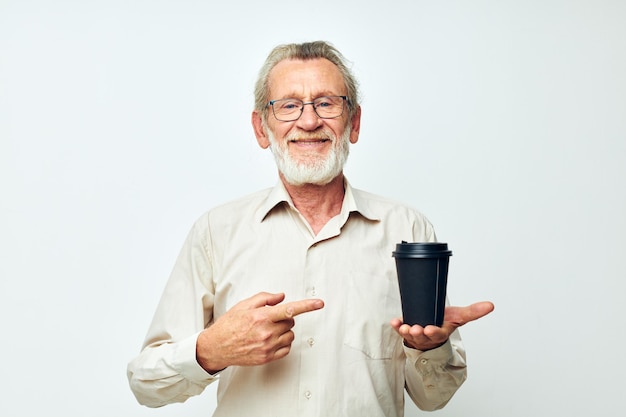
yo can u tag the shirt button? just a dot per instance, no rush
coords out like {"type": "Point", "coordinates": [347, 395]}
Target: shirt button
{"type": "Point", "coordinates": [313, 292]}
{"type": "Point", "coordinates": [310, 341]}
{"type": "Point", "coordinates": [424, 361]}
{"type": "Point", "coordinates": [307, 394]}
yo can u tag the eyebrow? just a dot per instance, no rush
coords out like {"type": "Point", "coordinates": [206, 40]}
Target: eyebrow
{"type": "Point", "coordinates": [325, 93]}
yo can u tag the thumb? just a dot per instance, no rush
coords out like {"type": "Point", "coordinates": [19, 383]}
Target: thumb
{"type": "Point", "coordinates": [261, 299]}
{"type": "Point", "coordinates": [478, 310]}
{"type": "Point", "coordinates": [458, 316]}
{"type": "Point", "coordinates": [272, 299]}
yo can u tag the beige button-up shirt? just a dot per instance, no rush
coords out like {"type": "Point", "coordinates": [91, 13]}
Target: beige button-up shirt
{"type": "Point", "coordinates": [346, 359]}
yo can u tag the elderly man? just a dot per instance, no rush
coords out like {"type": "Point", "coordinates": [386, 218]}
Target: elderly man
{"type": "Point", "coordinates": [289, 296]}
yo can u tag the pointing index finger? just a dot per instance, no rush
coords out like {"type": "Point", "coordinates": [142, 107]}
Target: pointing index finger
{"type": "Point", "coordinates": [291, 309]}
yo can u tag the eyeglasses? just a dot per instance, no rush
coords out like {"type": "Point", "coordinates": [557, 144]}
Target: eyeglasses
{"type": "Point", "coordinates": [290, 109]}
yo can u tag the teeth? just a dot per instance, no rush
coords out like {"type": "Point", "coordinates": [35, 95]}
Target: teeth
{"type": "Point", "coordinates": [309, 140]}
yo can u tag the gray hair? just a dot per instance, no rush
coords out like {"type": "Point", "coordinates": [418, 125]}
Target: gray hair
{"type": "Point", "coordinates": [304, 51]}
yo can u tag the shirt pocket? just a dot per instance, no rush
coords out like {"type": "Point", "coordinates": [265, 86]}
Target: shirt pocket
{"type": "Point", "coordinates": [372, 301]}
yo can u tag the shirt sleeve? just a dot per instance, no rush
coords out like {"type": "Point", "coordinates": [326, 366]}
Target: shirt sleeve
{"type": "Point", "coordinates": [166, 370]}
{"type": "Point", "coordinates": [432, 377]}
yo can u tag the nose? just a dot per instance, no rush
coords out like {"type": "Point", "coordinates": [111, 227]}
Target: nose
{"type": "Point", "coordinates": [309, 120]}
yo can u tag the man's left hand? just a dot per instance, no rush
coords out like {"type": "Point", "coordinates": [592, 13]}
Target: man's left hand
{"type": "Point", "coordinates": [430, 337]}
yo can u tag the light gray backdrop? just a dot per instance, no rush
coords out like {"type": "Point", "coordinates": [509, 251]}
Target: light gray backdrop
{"type": "Point", "coordinates": [503, 121]}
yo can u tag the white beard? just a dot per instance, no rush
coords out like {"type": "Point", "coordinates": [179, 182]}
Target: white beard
{"type": "Point", "coordinates": [315, 171]}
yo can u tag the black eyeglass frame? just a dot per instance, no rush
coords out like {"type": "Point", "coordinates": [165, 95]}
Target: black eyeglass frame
{"type": "Point", "coordinates": [312, 103]}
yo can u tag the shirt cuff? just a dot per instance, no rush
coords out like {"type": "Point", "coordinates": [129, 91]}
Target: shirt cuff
{"type": "Point", "coordinates": [430, 358]}
{"type": "Point", "coordinates": [186, 363]}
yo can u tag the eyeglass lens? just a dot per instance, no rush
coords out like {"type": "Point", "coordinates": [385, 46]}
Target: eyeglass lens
{"type": "Point", "coordinates": [291, 108]}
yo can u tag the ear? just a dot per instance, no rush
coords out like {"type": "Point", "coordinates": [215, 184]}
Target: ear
{"type": "Point", "coordinates": [356, 126]}
{"type": "Point", "coordinates": [259, 130]}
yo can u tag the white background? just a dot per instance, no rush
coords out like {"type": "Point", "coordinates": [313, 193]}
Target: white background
{"type": "Point", "coordinates": [503, 121]}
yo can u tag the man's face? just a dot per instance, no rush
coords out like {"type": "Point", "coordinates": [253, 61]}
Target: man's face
{"type": "Point", "coordinates": [311, 149]}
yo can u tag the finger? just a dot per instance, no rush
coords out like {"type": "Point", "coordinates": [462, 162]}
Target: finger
{"type": "Point", "coordinates": [294, 308]}
{"type": "Point", "coordinates": [481, 309]}
{"type": "Point", "coordinates": [282, 352]}
{"type": "Point", "coordinates": [283, 345]}
{"type": "Point", "coordinates": [286, 339]}
{"type": "Point", "coordinates": [282, 326]}
{"type": "Point", "coordinates": [396, 323]}
{"type": "Point", "coordinates": [462, 315]}
{"type": "Point", "coordinates": [436, 333]}
{"type": "Point", "coordinates": [261, 299]}
{"type": "Point", "coordinates": [477, 310]}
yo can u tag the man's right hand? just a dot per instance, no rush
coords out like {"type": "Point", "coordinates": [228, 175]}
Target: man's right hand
{"type": "Point", "coordinates": [255, 331]}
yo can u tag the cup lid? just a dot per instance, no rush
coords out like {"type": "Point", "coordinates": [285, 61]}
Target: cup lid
{"type": "Point", "coordinates": [421, 250]}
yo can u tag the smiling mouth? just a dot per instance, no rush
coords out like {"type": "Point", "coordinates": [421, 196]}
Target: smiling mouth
{"type": "Point", "coordinates": [309, 140]}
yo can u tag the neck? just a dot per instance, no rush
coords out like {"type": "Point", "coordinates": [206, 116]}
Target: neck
{"type": "Point", "coordinates": [317, 203]}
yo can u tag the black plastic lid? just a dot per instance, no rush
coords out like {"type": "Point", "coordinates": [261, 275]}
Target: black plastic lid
{"type": "Point", "coordinates": [421, 250]}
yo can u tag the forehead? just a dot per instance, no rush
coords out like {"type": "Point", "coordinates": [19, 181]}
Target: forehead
{"type": "Point", "coordinates": [305, 79]}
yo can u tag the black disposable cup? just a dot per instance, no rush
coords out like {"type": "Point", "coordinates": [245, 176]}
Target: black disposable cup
{"type": "Point", "coordinates": [422, 277]}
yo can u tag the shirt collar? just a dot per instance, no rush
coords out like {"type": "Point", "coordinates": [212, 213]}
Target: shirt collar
{"type": "Point", "coordinates": [353, 201]}
{"type": "Point", "coordinates": [276, 197]}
